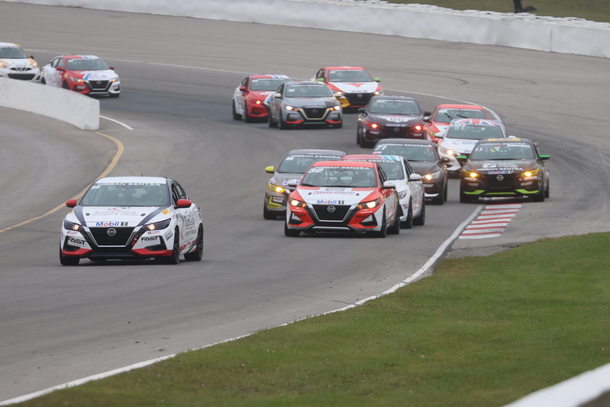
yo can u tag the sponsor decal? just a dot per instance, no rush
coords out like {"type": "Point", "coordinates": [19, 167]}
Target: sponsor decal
{"type": "Point", "coordinates": [169, 235]}
{"type": "Point", "coordinates": [76, 242]}
{"type": "Point", "coordinates": [115, 212]}
{"type": "Point", "coordinates": [298, 181]}
{"type": "Point", "coordinates": [165, 212]}
{"type": "Point", "coordinates": [330, 202]}
{"type": "Point", "coordinates": [149, 238]}
{"type": "Point", "coordinates": [110, 224]}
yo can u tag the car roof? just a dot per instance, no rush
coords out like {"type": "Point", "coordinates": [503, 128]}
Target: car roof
{"type": "Point", "coordinates": [371, 157]}
{"type": "Point", "coordinates": [268, 76]}
{"type": "Point", "coordinates": [317, 151]}
{"type": "Point", "coordinates": [508, 140]}
{"type": "Point", "coordinates": [306, 83]}
{"type": "Point", "coordinates": [9, 45]}
{"type": "Point", "coordinates": [342, 163]}
{"type": "Point", "coordinates": [459, 106]}
{"type": "Point", "coordinates": [132, 179]}
{"type": "Point", "coordinates": [395, 97]}
{"type": "Point", "coordinates": [474, 122]}
{"type": "Point", "coordinates": [345, 68]}
{"type": "Point", "coordinates": [80, 57]}
{"type": "Point", "coordinates": [404, 141]}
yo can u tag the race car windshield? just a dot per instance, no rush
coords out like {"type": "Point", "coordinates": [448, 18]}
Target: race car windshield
{"type": "Point", "coordinates": [266, 84]}
{"type": "Point", "coordinates": [86, 65]}
{"type": "Point", "coordinates": [351, 75]}
{"type": "Point", "coordinates": [308, 91]}
{"type": "Point", "coordinates": [345, 177]}
{"type": "Point", "coordinates": [12, 53]}
{"type": "Point", "coordinates": [126, 194]}
{"type": "Point", "coordinates": [299, 163]}
{"type": "Point", "coordinates": [502, 151]}
{"type": "Point", "coordinates": [404, 107]}
{"type": "Point", "coordinates": [412, 152]}
{"type": "Point", "coordinates": [446, 115]}
{"type": "Point", "coordinates": [474, 132]}
{"type": "Point", "coordinates": [392, 169]}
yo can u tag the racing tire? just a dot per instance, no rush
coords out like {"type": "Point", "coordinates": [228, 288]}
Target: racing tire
{"type": "Point", "coordinates": [291, 232]}
{"type": "Point", "coordinates": [408, 224]}
{"type": "Point", "coordinates": [236, 116]}
{"type": "Point", "coordinates": [421, 219]}
{"type": "Point", "coordinates": [547, 190]}
{"type": "Point", "coordinates": [272, 123]}
{"type": "Point", "coordinates": [175, 257]}
{"type": "Point", "coordinates": [246, 116]}
{"type": "Point", "coordinates": [445, 193]}
{"type": "Point", "coordinates": [68, 261]}
{"type": "Point", "coordinates": [464, 198]}
{"type": "Point", "coordinates": [395, 228]}
{"type": "Point", "coordinates": [43, 81]}
{"type": "Point", "coordinates": [282, 124]}
{"type": "Point", "coordinates": [539, 197]}
{"type": "Point", "coordinates": [358, 138]}
{"type": "Point", "coordinates": [267, 214]}
{"type": "Point", "coordinates": [197, 255]}
{"type": "Point", "coordinates": [384, 229]}
{"type": "Point", "coordinates": [65, 85]}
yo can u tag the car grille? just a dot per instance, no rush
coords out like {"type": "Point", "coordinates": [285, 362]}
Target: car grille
{"type": "Point", "coordinates": [398, 132]}
{"type": "Point", "coordinates": [360, 99]}
{"type": "Point", "coordinates": [313, 113]}
{"type": "Point", "coordinates": [25, 77]}
{"type": "Point", "coordinates": [339, 213]}
{"type": "Point", "coordinates": [98, 85]}
{"type": "Point", "coordinates": [505, 183]}
{"type": "Point", "coordinates": [121, 238]}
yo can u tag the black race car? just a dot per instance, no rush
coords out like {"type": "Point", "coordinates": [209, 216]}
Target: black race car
{"type": "Point", "coordinates": [504, 167]}
{"type": "Point", "coordinates": [390, 117]}
{"type": "Point", "coordinates": [424, 159]}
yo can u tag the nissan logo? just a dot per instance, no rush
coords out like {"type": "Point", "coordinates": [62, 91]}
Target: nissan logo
{"type": "Point", "coordinates": [111, 232]}
{"type": "Point", "coordinates": [500, 177]}
{"type": "Point", "coordinates": [396, 129]}
{"type": "Point", "coordinates": [331, 208]}
{"type": "Point", "coordinates": [360, 95]}
{"type": "Point", "coordinates": [314, 111]}
{"type": "Point", "coordinates": [98, 83]}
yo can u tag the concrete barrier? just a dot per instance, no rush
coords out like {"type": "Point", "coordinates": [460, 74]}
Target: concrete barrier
{"type": "Point", "coordinates": [70, 107]}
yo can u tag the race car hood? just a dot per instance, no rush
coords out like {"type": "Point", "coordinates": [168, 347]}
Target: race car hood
{"type": "Point", "coordinates": [500, 166]}
{"type": "Point", "coordinates": [260, 94]}
{"type": "Point", "coordinates": [354, 87]}
{"type": "Point", "coordinates": [334, 195]}
{"type": "Point", "coordinates": [461, 146]}
{"type": "Point", "coordinates": [20, 62]}
{"type": "Point", "coordinates": [102, 75]}
{"type": "Point", "coordinates": [424, 167]}
{"type": "Point", "coordinates": [312, 102]}
{"type": "Point", "coordinates": [395, 120]}
{"type": "Point", "coordinates": [283, 178]}
{"type": "Point", "coordinates": [104, 216]}
{"type": "Point", "coordinates": [442, 127]}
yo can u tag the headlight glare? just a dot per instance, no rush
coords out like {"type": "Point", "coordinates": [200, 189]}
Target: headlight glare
{"type": "Point", "coordinates": [164, 224]}
{"type": "Point", "coordinates": [297, 203]}
{"type": "Point", "coordinates": [370, 204]}
{"type": "Point", "coordinates": [71, 225]}
{"type": "Point", "coordinates": [275, 188]}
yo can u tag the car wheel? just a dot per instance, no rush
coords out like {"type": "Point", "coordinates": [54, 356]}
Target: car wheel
{"type": "Point", "coordinates": [408, 224]}
{"type": "Point", "coordinates": [267, 214]}
{"type": "Point", "coordinates": [445, 192]}
{"type": "Point", "coordinates": [272, 123]}
{"type": "Point", "coordinates": [539, 197]}
{"type": "Point", "coordinates": [68, 261]}
{"type": "Point", "coordinates": [246, 116]}
{"type": "Point", "coordinates": [290, 232]}
{"type": "Point", "coordinates": [395, 228]}
{"type": "Point", "coordinates": [236, 116]}
{"type": "Point", "coordinates": [358, 137]}
{"type": "Point", "coordinates": [547, 190]}
{"type": "Point", "coordinates": [440, 199]}
{"type": "Point", "coordinates": [281, 123]}
{"type": "Point", "coordinates": [384, 229]}
{"type": "Point", "coordinates": [421, 219]}
{"type": "Point", "coordinates": [65, 85]}
{"type": "Point", "coordinates": [43, 81]}
{"type": "Point", "coordinates": [197, 255]}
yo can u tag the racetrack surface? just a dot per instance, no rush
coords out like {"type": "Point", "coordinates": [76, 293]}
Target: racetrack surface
{"type": "Point", "coordinates": [178, 74]}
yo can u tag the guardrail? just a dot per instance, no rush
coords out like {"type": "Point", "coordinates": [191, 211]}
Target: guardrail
{"type": "Point", "coordinates": [70, 107]}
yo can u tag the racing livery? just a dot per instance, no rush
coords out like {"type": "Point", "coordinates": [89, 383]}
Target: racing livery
{"type": "Point", "coordinates": [437, 122]}
{"type": "Point", "coordinates": [343, 196]}
{"type": "Point", "coordinates": [291, 169]}
{"type": "Point", "coordinates": [15, 63]}
{"type": "Point", "coordinates": [355, 84]}
{"type": "Point", "coordinates": [304, 103]}
{"type": "Point", "coordinates": [85, 74]}
{"type": "Point", "coordinates": [412, 209]}
{"type": "Point", "coordinates": [249, 97]}
{"type": "Point", "coordinates": [504, 167]}
{"type": "Point", "coordinates": [132, 218]}
{"type": "Point", "coordinates": [425, 161]}
{"type": "Point", "coordinates": [390, 117]}
{"type": "Point", "coordinates": [461, 136]}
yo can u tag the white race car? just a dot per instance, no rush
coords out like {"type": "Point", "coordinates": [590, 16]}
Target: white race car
{"type": "Point", "coordinates": [15, 63]}
{"type": "Point", "coordinates": [85, 74]}
{"type": "Point", "coordinates": [132, 218]}
{"type": "Point", "coordinates": [356, 85]}
{"type": "Point", "coordinates": [461, 136]}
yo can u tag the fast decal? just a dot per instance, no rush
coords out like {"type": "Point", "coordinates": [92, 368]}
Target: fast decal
{"type": "Point", "coordinates": [76, 242]}
{"type": "Point", "coordinates": [149, 238]}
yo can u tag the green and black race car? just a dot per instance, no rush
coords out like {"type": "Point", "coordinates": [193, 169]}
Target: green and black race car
{"type": "Point", "coordinates": [505, 167]}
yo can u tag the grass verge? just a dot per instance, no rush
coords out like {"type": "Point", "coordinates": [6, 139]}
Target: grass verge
{"type": "Point", "coordinates": [593, 10]}
{"type": "Point", "coordinates": [479, 332]}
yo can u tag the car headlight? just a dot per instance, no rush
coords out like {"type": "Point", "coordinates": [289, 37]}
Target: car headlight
{"type": "Point", "coordinates": [531, 173]}
{"type": "Point", "coordinates": [379, 92]}
{"type": "Point", "coordinates": [402, 194]}
{"type": "Point", "coordinates": [336, 108]}
{"type": "Point", "coordinates": [275, 188]}
{"type": "Point", "coordinates": [470, 175]}
{"type": "Point", "coordinates": [446, 150]}
{"type": "Point", "coordinates": [114, 80]}
{"type": "Point", "coordinates": [434, 175]}
{"type": "Point", "coordinates": [297, 203]}
{"type": "Point", "coordinates": [72, 226]}
{"type": "Point", "coordinates": [290, 108]}
{"type": "Point", "coordinates": [3, 65]}
{"type": "Point", "coordinates": [370, 204]}
{"type": "Point", "coordinates": [73, 79]}
{"type": "Point", "coordinates": [164, 224]}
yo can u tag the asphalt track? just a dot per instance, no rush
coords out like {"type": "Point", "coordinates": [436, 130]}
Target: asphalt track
{"type": "Point", "coordinates": [59, 324]}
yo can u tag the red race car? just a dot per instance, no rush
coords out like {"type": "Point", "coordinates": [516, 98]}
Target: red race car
{"type": "Point", "coordinates": [86, 74]}
{"type": "Point", "coordinates": [249, 97]}
{"type": "Point", "coordinates": [437, 123]}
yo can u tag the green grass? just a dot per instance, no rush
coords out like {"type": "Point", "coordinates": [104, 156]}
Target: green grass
{"type": "Point", "coordinates": [479, 332]}
{"type": "Point", "coordinates": [594, 10]}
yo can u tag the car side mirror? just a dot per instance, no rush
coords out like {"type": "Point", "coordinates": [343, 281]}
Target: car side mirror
{"type": "Point", "coordinates": [292, 183]}
{"type": "Point", "coordinates": [277, 95]}
{"type": "Point", "coordinates": [270, 169]}
{"type": "Point", "coordinates": [242, 88]}
{"type": "Point", "coordinates": [59, 68]}
{"type": "Point", "coordinates": [111, 67]}
{"type": "Point", "coordinates": [462, 159]}
{"type": "Point", "coordinates": [544, 156]}
{"type": "Point", "coordinates": [320, 80]}
{"type": "Point", "coordinates": [445, 160]}
{"type": "Point", "coordinates": [362, 110]}
{"type": "Point", "coordinates": [377, 80]}
{"type": "Point", "coordinates": [415, 177]}
{"type": "Point", "coordinates": [338, 94]}
{"type": "Point", "coordinates": [427, 114]}
{"type": "Point", "coordinates": [183, 203]}
{"type": "Point", "coordinates": [71, 203]}
{"type": "Point", "coordinates": [388, 185]}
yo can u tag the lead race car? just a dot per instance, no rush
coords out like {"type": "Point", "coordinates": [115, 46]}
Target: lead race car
{"type": "Point", "coordinates": [85, 74]}
{"type": "Point", "coordinates": [343, 196]}
{"type": "Point", "coordinates": [132, 218]}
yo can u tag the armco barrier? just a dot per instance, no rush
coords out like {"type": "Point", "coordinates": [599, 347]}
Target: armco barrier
{"type": "Point", "coordinates": [561, 35]}
{"type": "Point", "coordinates": [71, 107]}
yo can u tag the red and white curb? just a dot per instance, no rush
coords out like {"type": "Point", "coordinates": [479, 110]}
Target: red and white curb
{"type": "Point", "coordinates": [491, 222]}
